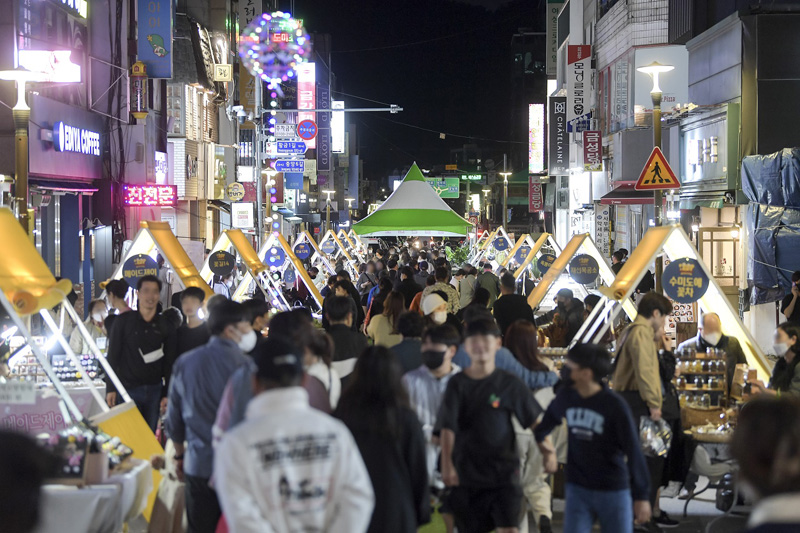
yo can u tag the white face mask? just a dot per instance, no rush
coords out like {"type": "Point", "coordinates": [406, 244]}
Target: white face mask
{"type": "Point", "coordinates": [712, 338]}
{"type": "Point", "coordinates": [780, 349]}
{"type": "Point", "coordinates": [439, 317]}
{"type": "Point", "coordinates": [248, 341]}
{"type": "Point", "coordinates": [229, 282]}
{"type": "Point", "coordinates": [98, 317]}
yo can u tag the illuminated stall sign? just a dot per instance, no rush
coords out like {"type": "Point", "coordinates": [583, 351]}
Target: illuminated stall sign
{"type": "Point", "coordinates": [68, 138]}
{"type": "Point", "coordinates": [150, 195]}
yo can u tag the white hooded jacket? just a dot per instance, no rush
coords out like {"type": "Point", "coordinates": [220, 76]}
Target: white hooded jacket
{"type": "Point", "coordinates": [290, 468]}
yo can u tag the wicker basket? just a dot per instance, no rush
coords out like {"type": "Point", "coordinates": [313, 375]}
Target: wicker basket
{"type": "Point", "coordinates": [698, 416]}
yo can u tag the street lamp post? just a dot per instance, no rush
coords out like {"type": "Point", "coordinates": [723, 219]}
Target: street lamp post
{"type": "Point", "coordinates": [654, 69]}
{"type": "Point", "coordinates": [328, 214]}
{"type": "Point", "coordinates": [505, 175]}
{"type": "Point", "coordinates": [350, 207]}
{"type": "Point", "coordinates": [21, 114]}
{"type": "Point", "coordinates": [486, 203]}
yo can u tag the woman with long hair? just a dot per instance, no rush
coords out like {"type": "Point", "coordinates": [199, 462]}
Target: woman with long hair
{"type": "Point", "coordinates": [317, 362]}
{"type": "Point", "coordinates": [522, 340]}
{"type": "Point", "coordinates": [785, 379]}
{"type": "Point", "coordinates": [374, 406]}
{"type": "Point", "coordinates": [382, 329]}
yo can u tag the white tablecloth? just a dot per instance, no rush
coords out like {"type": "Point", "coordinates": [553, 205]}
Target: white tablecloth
{"type": "Point", "coordinates": [96, 508]}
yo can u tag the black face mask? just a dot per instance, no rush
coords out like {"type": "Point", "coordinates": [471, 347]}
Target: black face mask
{"type": "Point", "coordinates": [433, 359]}
{"type": "Point", "coordinates": [565, 373]}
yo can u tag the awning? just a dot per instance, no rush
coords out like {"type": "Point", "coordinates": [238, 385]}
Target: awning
{"type": "Point", "coordinates": [627, 195]}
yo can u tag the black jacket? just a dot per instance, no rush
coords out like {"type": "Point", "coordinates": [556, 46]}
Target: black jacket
{"type": "Point", "coordinates": [347, 343]}
{"type": "Point", "coordinates": [510, 308]}
{"type": "Point", "coordinates": [408, 288]}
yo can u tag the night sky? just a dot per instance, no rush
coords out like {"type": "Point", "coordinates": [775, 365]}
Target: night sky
{"type": "Point", "coordinates": [456, 83]}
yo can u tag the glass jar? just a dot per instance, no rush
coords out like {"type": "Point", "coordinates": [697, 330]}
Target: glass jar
{"type": "Point", "coordinates": [683, 398]}
{"type": "Point", "coordinates": [680, 383]}
{"type": "Point", "coordinates": [705, 400]}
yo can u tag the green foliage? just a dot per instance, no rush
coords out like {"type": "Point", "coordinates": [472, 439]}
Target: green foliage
{"type": "Point", "coordinates": [458, 256]}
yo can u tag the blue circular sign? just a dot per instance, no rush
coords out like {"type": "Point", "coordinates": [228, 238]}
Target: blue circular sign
{"type": "Point", "coordinates": [522, 254]}
{"type": "Point", "coordinates": [302, 251]}
{"type": "Point", "coordinates": [500, 244]}
{"type": "Point", "coordinates": [328, 247]}
{"type": "Point", "coordinates": [138, 266]}
{"type": "Point", "coordinates": [544, 262]}
{"type": "Point", "coordinates": [274, 257]}
{"type": "Point", "coordinates": [289, 276]}
{"type": "Point", "coordinates": [684, 280]}
{"type": "Point", "coordinates": [584, 269]}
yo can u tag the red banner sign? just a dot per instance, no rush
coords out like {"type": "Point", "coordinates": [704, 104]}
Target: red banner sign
{"type": "Point", "coordinates": [592, 151]}
{"type": "Point", "coordinates": [535, 196]}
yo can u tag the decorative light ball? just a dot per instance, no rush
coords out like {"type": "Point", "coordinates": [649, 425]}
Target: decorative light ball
{"type": "Point", "coordinates": [272, 46]}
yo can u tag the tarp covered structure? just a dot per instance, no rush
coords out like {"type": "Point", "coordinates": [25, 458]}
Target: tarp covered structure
{"type": "Point", "coordinates": [413, 209]}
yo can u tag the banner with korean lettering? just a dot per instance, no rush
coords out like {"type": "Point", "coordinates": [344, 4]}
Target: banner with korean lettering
{"type": "Point", "coordinates": [324, 148]}
{"type": "Point", "coordinates": [557, 137]}
{"type": "Point", "coordinates": [535, 195]}
{"type": "Point", "coordinates": [579, 86]}
{"type": "Point", "coordinates": [602, 228]}
{"type": "Point", "coordinates": [684, 280]}
{"type": "Point", "coordinates": [553, 9]}
{"type": "Point", "coordinates": [307, 96]}
{"type": "Point", "coordinates": [154, 42]}
{"type": "Point", "coordinates": [592, 151]}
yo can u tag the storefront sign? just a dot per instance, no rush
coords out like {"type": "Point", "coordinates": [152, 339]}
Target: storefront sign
{"type": "Point", "coordinates": [553, 8]}
{"type": "Point", "coordinates": [328, 246]}
{"type": "Point", "coordinates": [56, 66]}
{"type": "Point", "coordinates": [138, 266]}
{"type": "Point", "coordinates": [684, 280]}
{"type": "Point", "coordinates": [445, 187]}
{"type": "Point", "coordinates": [535, 138]}
{"type": "Point", "coordinates": [579, 86]}
{"type": "Point", "coordinates": [235, 191]}
{"type": "Point", "coordinates": [584, 269]}
{"type": "Point", "coordinates": [557, 139]}
{"type": "Point", "coordinates": [155, 37]}
{"type": "Point", "coordinates": [67, 138]}
{"type": "Point", "coordinates": [522, 254]}
{"type": "Point", "coordinates": [544, 262]}
{"type": "Point", "coordinates": [324, 156]}
{"type": "Point", "coordinates": [150, 195]}
{"type": "Point", "coordinates": [602, 227]}
{"type": "Point", "coordinates": [223, 73]}
{"type": "Point", "coordinates": [221, 263]}
{"type": "Point", "coordinates": [242, 215]}
{"type": "Point", "coordinates": [161, 168]}
{"type": "Point", "coordinates": [307, 97]}
{"type": "Point", "coordinates": [535, 195]}
{"type": "Point", "coordinates": [302, 250]}
{"type": "Point", "coordinates": [592, 151]}
{"type": "Point", "coordinates": [45, 415]}
{"type": "Point", "coordinates": [274, 257]}
{"type": "Point", "coordinates": [337, 127]}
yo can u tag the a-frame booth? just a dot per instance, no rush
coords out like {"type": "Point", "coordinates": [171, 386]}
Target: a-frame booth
{"type": "Point", "coordinates": [350, 246]}
{"type": "Point", "coordinates": [317, 258]}
{"type": "Point", "coordinates": [498, 244]}
{"type": "Point", "coordinates": [339, 250]}
{"type": "Point", "coordinates": [276, 241]}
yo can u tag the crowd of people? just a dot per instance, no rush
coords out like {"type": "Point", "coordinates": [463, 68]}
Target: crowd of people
{"type": "Point", "coordinates": [422, 390]}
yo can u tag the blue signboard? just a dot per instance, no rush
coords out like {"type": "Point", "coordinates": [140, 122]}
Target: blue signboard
{"type": "Point", "coordinates": [138, 266]}
{"type": "Point", "coordinates": [500, 244]}
{"type": "Point", "coordinates": [545, 262]}
{"type": "Point", "coordinates": [291, 147]}
{"type": "Point", "coordinates": [290, 165]}
{"type": "Point", "coordinates": [522, 253]}
{"type": "Point", "coordinates": [584, 269]}
{"type": "Point", "coordinates": [274, 257]}
{"type": "Point", "coordinates": [289, 276]}
{"type": "Point", "coordinates": [294, 180]}
{"type": "Point", "coordinates": [328, 247]}
{"type": "Point", "coordinates": [684, 280]}
{"type": "Point", "coordinates": [154, 45]}
{"type": "Point", "coordinates": [302, 251]}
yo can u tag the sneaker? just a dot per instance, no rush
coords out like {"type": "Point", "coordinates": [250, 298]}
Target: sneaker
{"type": "Point", "coordinates": [672, 490]}
{"type": "Point", "coordinates": [544, 525]}
{"type": "Point", "coordinates": [648, 527]}
{"type": "Point", "coordinates": [663, 520]}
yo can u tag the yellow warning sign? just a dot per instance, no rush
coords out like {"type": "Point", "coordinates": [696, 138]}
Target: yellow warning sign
{"type": "Point", "coordinates": [657, 174]}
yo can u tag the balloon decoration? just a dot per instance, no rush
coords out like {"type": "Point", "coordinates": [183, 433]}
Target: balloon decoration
{"type": "Point", "coordinates": [273, 45]}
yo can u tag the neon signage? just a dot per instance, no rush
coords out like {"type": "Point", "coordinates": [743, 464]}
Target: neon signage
{"type": "Point", "coordinates": [150, 195]}
{"type": "Point", "coordinates": [77, 5]}
{"type": "Point", "coordinates": [535, 138]}
{"type": "Point", "coordinates": [68, 138]}
{"type": "Point", "coordinates": [307, 95]}
{"type": "Point", "coordinates": [55, 65]}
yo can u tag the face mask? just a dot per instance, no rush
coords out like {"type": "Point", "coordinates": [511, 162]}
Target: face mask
{"type": "Point", "coordinates": [781, 349]}
{"type": "Point", "coordinates": [229, 283]}
{"type": "Point", "coordinates": [439, 317]}
{"type": "Point", "coordinates": [712, 338]}
{"type": "Point", "coordinates": [432, 359]}
{"type": "Point", "coordinates": [98, 317]}
{"type": "Point", "coordinates": [566, 376]}
{"type": "Point", "coordinates": [248, 341]}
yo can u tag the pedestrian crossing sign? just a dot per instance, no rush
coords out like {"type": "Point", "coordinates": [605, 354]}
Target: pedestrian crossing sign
{"type": "Point", "coordinates": [657, 174]}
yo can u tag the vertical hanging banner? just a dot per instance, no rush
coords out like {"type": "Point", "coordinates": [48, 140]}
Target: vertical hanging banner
{"type": "Point", "coordinates": [602, 228]}
{"type": "Point", "coordinates": [579, 86]}
{"type": "Point", "coordinates": [535, 138]}
{"type": "Point", "coordinates": [535, 195]}
{"type": "Point", "coordinates": [557, 138]}
{"type": "Point", "coordinates": [324, 153]}
{"type": "Point", "coordinates": [337, 127]}
{"type": "Point", "coordinates": [307, 95]}
{"type": "Point", "coordinates": [248, 10]}
{"type": "Point", "coordinates": [592, 155]}
{"type": "Point", "coordinates": [553, 9]}
{"type": "Point", "coordinates": [154, 37]}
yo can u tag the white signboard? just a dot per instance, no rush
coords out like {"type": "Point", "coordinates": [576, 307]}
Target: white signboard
{"type": "Point", "coordinates": [242, 215]}
{"type": "Point", "coordinates": [337, 127]}
{"type": "Point", "coordinates": [579, 85]}
{"type": "Point", "coordinates": [286, 130]}
{"type": "Point", "coordinates": [602, 226]}
{"type": "Point", "coordinates": [17, 393]}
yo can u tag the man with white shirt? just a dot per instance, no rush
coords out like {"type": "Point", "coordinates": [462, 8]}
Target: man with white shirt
{"type": "Point", "coordinates": [289, 467]}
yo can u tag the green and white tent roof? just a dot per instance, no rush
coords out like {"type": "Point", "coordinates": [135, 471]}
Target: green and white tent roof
{"type": "Point", "coordinates": [413, 209]}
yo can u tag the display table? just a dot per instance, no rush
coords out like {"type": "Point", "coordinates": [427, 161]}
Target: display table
{"type": "Point", "coordinates": [96, 508]}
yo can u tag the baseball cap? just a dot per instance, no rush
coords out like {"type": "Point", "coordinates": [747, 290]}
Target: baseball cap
{"type": "Point", "coordinates": [277, 359]}
{"type": "Point", "coordinates": [431, 302]}
{"type": "Point", "coordinates": [423, 265]}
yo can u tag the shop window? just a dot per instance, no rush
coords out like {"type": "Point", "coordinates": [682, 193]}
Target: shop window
{"type": "Point", "coordinates": [175, 102]}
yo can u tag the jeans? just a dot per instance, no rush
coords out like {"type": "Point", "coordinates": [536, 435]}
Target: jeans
{"type": "Point", "coordinates": [202, 506]}
{"type": "Point", "coordinates": [148, 400]}
{"type": "Point", "coordinates": [612, 508]}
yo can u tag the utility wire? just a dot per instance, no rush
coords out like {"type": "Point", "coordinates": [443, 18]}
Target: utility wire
{"type": "Point", "coordinates": [440, 132]}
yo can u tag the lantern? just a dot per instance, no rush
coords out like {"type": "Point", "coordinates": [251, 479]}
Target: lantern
{"type": "Point", "coordinates": [139, 90]}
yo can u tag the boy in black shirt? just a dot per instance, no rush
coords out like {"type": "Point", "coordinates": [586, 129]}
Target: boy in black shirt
{"type": "Point", "coordinates": [605, 464]}
{"type": "Point", "coordinates": [194, 332]}
{"type": "Point", "coordinates": [479, 456]}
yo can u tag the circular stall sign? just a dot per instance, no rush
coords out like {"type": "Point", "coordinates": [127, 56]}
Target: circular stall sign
{"type": "Point", "coordinates": [544, 262]}
{"type": "Point", "coordinates": [235, 191]}
{"type": "Point", "coordinates": [221, 263]}
{"type": "Point", "coordinates": [521, 254]}
{"type": "Point", "coordinates": [584, 269]}
{"type": "Point", "coordinates": [274, 257]}
{"type": "Point", "coordinates": [684, 280]}
{"type": "Point", "coordinates": [138, 266]}
{"type": "Point", "coordinates": [500, 244]}
{"type": "Point", "coordinates": [328, 247]}
{"type": "Point", "coordinates": [302, 251]}
{"type": "Point", "coordinates": [289, 276]}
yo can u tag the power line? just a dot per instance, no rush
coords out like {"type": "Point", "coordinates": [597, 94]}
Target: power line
{"type": "Point", "coordinates": [440, 133]}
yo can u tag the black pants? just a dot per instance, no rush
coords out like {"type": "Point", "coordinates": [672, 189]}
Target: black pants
{"type": "Point", "coordinates": [202, 507]}
{"type": "Point", "coordinates": [655, 466]}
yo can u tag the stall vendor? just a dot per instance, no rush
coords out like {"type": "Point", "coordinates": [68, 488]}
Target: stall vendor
{"type": "Point", "coordinates": [709, 335]}
{"type": "Point", "coordinates": [786, 374]}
